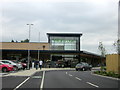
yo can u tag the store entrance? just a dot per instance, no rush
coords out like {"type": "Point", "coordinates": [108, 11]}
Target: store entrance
{"type": "Point", "coordinates": [56, 58]}
{"type": "Point", "coordinates": [63, 61]}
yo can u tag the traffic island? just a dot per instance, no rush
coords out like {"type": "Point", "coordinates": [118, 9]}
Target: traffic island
{"type": "Point", "coordinates": [109, 74]}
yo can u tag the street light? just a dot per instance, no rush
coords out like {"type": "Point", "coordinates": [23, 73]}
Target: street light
{"type": "Point", "coordinates": [29, 47]}
{"type": "Point", "coordinates": [38, 47]}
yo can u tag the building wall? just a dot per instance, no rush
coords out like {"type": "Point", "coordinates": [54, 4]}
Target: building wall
{"type": "Point", "coordinates": [24, 46]}
{"type": "Point", "coordinates": [113, 63]}
{"type": "Point", "coordinates": [17, 51]}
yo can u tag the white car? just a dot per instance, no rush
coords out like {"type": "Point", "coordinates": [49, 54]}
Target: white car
{"type": "Point", "coordinates": [15, 65]}
{"type": "Point", "coordinates": [20, 65]}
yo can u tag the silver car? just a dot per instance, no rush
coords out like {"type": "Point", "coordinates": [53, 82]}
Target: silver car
{"type": "Point", "coordinates": [83, 66]}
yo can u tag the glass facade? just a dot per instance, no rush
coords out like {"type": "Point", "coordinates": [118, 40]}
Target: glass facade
{"type": "Point", "coordinates": [64, 43]}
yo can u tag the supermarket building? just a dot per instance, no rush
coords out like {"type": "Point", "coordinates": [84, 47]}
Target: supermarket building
{"type": "Point", "coordinates": [61, 48]}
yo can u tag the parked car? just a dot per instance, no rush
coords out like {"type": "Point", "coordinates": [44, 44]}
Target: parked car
{"type": "Point", "coordinates": [24, 65]}
{"type": "Point", "coordinates": [6, 67]}
{"type": "Point", "coordinates": [19, 64]}
{"type": "Point", "coordinates": [83, 66]}
{"type": "Point", "coordinates": [15, 65]}
{"type": "Point", "coordinates": [60, 64]}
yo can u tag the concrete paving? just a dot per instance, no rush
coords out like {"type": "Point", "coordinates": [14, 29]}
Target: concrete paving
{"type": "Point", "coordinates": [32, 71]}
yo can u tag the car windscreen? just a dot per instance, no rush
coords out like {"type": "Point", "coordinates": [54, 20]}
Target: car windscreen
{"type": "Point", "coordinates": [15, 61]}
{"type": "Point", "coordinates": [78, 65]}
{"type": "Point", "coordinates": [6, 62]}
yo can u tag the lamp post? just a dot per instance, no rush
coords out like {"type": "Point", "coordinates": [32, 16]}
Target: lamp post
{"type": "Point", "coordinates": [29, 47]}
{"type": "Point", "coordinates": [38, 47]}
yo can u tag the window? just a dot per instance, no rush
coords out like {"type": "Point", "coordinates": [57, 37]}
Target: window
{"type": "Point", "coordinates": [6, 62]}
{"type": "Point", "coordinates": [64, 43]}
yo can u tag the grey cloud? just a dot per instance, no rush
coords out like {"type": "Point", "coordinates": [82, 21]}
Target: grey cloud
{"type": "Point", "coordinates": [90, 19]}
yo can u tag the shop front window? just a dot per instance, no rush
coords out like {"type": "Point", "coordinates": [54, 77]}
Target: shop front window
{"type": "Point", "coordinates": [64, 43]}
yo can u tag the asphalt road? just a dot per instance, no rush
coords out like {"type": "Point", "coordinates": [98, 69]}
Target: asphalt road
{"type": "Point", "coordinates": [59, 80]}
{"type": "Point", "coordinates": [22, 82]}
{"type": "Point", "coordinates": [10, 82]}
{"type": "Point", "coordinates": [34, 82]}
{"type": "Point", "coordinates": [73, 79]}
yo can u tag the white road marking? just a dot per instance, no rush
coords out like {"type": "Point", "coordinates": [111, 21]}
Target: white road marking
{"type": "Point", "coordinates": [92, 84]}
{"type": "Point", "coordinates": [70, 75]}
{"type": "Point", "coordinates": [42, 82]}
{"type": "Point", "coordinates": [22, 83]}
{"type": "Point", "coordinates": [78, 78]}
{"type": "Point", "coordinates": [66, 72]}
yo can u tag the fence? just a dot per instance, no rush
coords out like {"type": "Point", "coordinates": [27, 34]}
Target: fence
{"type": "Point", "coordinates": [113, 63]}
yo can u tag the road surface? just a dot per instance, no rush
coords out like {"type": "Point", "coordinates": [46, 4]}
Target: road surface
{"type": "Point", "coordinates": [64, 79]}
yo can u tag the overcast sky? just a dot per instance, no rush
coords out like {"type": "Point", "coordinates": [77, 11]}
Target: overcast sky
{"type": "Point", "coordinates": [97, 20]}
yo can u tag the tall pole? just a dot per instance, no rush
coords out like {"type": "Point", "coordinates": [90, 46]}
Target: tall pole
{"type": "Point", "coordinates": [38, 47]}
{"type": "Point", "coordinates": [118, 28]}
{"type": "Point", "coordinates": [29, 47]}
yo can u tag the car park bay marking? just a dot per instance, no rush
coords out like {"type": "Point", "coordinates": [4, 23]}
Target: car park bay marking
{"type": "Point", "coordinates": [78, 78]}
{"type": "Point", "coordinates": [92, 84]}
{"type": "Point", "coordinates": [42, 82]}
{"type": "Point", "coordinates": [66, 72]}
{"type": "Point", "coordinates": [70, 75]}
{"type": "Point", "coordinates": [22, 83]}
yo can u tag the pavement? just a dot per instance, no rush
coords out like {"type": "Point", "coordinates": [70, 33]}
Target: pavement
{"type": "Point", "coordinates": [33, 70]}
{"type": "Point", "coordinates": [96, 68]}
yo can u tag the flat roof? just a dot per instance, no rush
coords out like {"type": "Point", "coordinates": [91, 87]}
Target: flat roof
{"type": "Point", "coordinates": [90, 53]}
{"type": "Point", "coordinates": [65, 34]}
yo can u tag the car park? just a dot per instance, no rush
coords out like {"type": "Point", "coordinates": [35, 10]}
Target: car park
{"type": "Point", "coordinates": [15, 65]}
{"type": "Point", "coordinates": [83, 66]}
{"type": "Point", "coordinates": [6, 67]}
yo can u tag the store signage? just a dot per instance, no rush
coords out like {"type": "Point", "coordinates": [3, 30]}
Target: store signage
{"type": "Point", "coordinates": [61, 40]}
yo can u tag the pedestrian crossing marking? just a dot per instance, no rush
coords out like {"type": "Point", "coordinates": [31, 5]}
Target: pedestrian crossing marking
{"type": "Point", "coordinates": [37, 77]}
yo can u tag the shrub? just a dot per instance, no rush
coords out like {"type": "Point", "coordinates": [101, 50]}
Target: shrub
{"type": "Point", "coordinates": [103, 68]}
{"type": "Point", "coordinates": [104, 73]}
{"type": "Point", "coordinates": [112, 74]}
{"type": "Point", "coordinates": [97, 72]}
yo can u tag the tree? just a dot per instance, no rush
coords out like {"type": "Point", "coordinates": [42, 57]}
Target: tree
{"type": "Point", "coordinates": [116, 44]}
{"type": "Point", "coordinates": [12, 40]}
{"type": "Point", "coordinates": [102, 49]}
{"type": "Point", "coordinates": [26, 40]}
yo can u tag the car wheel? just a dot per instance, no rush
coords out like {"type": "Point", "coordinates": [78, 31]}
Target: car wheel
{"type": "Point", "coordinates": [4, 69]}
{"type": "Point", "coordinates": [89, 69]}
{"type": "Point", "coordinates": [23, 68]}
{"type": "Point", "coordinates": [15, 68]}
{"type": "Point", "coordinates": [76, 69]}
